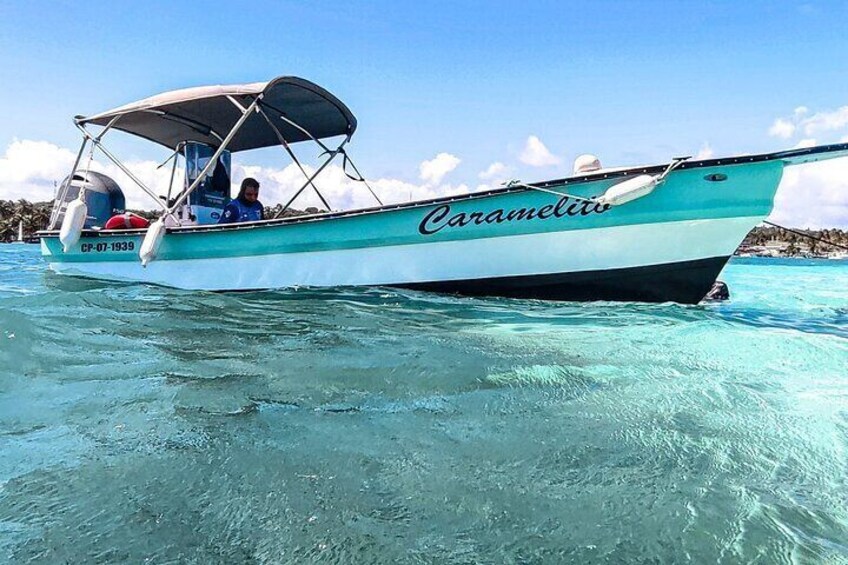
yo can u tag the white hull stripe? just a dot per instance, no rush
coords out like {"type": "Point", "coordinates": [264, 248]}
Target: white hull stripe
{"type": "Point", "coordinates": [534, 254]}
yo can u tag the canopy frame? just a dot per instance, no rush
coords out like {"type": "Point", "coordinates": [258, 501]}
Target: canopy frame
{"type": "Point", "coordinates": [204, 114]}
{"type": "Point", "coordinates": [248, 100]}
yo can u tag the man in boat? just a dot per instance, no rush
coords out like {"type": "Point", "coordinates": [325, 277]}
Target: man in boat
{"type": "Point", "coordinates": [246, 207]}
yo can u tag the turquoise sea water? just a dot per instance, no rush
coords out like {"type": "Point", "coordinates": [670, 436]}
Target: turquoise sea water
{"type": "Point", "coordinates": [142, 424]}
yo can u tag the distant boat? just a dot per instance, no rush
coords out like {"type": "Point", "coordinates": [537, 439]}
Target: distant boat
{"type": "Point", "coordinates": [20, 233]}
{"type": "Point", "coordinates": [652, 234]}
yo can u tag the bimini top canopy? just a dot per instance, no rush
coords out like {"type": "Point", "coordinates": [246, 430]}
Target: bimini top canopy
{"type": "Point", "coordinates": [206, 115]}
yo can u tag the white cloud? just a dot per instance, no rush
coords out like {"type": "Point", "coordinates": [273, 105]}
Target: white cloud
{"type": "Point", "coordinates": [280, 184]}
{"type": "Point", "coordinates": [31, 170]}
{"type": "Point", "coordinates": [782, 128]}
{"type": "Point", "coordinates": [341, 193]}
{"type": "Point", "coordinates": [810, 125]}
{"type": "Point", "coordinates": [536, 154]}
{"type": "Point", "coordinates": [494, 170]}
{"type": "Point", "coordinates": [826, 121]}
{"type": "Point", "coordinates": [705, 152]}
{"type": "Point", "coordinates": [813, 196]}
{"type": "Point", "coordinates": [28, 170]}
{"type": "Point", "coordinates": [433, 171]}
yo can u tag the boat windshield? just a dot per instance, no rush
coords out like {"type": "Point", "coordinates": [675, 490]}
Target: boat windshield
{"type": "Point", "coordinates": [213, 193]}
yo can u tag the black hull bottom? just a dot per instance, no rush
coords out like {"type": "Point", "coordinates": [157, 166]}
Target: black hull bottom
{"type": "Point", "coordinates": [686, 282]}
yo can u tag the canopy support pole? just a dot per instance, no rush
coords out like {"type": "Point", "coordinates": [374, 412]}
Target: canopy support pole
{"type": "Point", "coordinates": [288, 149]}
{"type": "Point", "coordinates": [57, 203]}
{"type": "Point", "coordinates": [310, 179]}
{"type": "Point", "coordinates": [141, 185]}
{"type": "Point", "coordinates": [108, 127]}
{"type": "Point", "coordinates": [301, 129]}
{"type": "Point", "coordinates": [173, 169]}
{"type": "Point", "coordinates": [320, 144]}
{"type": "Point", "coordinates": [213, 160]}
{"type": "Point", "coordinates": [54, 216]}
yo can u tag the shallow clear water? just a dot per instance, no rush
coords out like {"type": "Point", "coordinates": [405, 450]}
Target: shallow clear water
{"type": "Point", "coordinates": [141, 423]}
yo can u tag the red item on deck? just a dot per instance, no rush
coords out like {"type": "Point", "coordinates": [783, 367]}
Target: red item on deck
{"type": "Point", "coordinates": [126, 221]}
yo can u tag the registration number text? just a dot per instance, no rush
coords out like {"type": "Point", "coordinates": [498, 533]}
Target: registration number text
{"type": "Point", "coordinates": [100, 247]}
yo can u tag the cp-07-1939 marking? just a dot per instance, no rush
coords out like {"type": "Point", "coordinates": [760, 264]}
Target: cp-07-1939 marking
{"type": "Point", "coordinates": [102, 246]}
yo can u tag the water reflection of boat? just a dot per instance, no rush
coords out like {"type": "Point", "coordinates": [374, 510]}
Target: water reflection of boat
{"type": "Point", "coordinates": [656, 233]}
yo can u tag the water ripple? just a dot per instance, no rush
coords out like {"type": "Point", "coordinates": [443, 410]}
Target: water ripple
{"type": "Point", "coordinates": [140, 423]}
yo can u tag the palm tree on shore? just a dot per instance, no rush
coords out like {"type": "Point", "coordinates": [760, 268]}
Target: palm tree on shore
{"type": "Point", "coordinates": [34, 217]}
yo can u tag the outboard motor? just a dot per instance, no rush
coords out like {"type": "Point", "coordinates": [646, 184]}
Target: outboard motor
{"type": "Point", "coordinates": [207, 201]}
{"type": "Point", "coordinates": [103, 197]}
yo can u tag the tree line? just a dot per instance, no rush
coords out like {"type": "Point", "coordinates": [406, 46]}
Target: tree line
{"type": "Point", "coordinates": [761, 235]}
{"type": "Point", "coordinates": [35, 216]}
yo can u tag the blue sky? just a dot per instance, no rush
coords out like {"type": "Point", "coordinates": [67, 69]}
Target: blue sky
{"type": "Point", "coordinates": [633, 82]}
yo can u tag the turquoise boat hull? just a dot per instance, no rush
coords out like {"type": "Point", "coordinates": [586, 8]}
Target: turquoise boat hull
{"type": "Point", "coordinates": [667, 246]}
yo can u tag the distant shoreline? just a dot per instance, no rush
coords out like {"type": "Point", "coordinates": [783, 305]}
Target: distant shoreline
{"type": "Point", "coordinates": [837, 256]}
{"type": "Point", "coordinates": [765, 241]}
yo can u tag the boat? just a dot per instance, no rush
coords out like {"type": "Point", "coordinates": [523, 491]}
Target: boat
{"type": "Point", "coordinates": [20, 233]}
{"type": "Point", "coordinates": [650, 233]}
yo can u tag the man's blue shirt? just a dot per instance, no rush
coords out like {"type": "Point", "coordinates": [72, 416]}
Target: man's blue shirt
{"type": "Point", "coordinates": [238, 211]}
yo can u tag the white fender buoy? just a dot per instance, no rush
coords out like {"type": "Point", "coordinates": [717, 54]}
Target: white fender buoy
{"type": "Point", "coordinates": [628, 190]}
{"type": "Point", "coordinates": [72, 224]}
{"type": "Point", "coordinates": [152, 241]}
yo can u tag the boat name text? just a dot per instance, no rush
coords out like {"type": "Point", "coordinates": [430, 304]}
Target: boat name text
{"type": "Point", "coordinates": [440, 217]}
